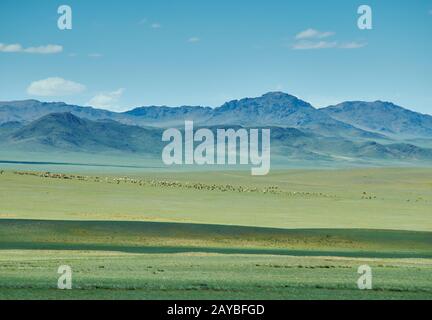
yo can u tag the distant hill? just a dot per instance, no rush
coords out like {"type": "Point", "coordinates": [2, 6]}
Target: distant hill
{"type": "Point", "coordinates": [29, 110]}
{"type": "Point", "coordinates": [169, 116]}
{"type": "Point", "coordinates": [67, 132]}
{"type": "Point", "coordinates": [348, 132]}
{"type": "Point", "coordinates": [382, 117]}
{"type": "Point", "coordinates": [11, 125]}
{"type": "Point", "coordinates": [271, 109]}
{"type": "Point", "coordinates": [283, 110]}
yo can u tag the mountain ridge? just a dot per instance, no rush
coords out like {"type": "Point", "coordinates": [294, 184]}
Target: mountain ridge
{"type": "Point", "coordinates": [356, 119]}
{"type": "Point", "coordinates": [67, 132]}
{"type": "Point", "coordinates": [382, 117]}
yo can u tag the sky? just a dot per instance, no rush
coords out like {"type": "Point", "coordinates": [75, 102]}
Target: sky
{"type": "Point", "coordinates": [123, 54]}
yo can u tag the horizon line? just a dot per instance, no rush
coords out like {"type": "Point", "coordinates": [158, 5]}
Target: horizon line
{"type": "Point", "coordinates": [212, 107]}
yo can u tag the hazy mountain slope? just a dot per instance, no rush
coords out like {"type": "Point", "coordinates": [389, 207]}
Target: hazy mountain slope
{"type": "Point", "coordinates": [8, 127]}
{"type": "Point", "coordinates": [169, 116]}
{"type": "Point", "coordinates": [68, 132]}
{"type": "Point", "coordinates": [65, 131]}
{"type": "Point", "coordinates": [399, 151]}
{"type": "Point", "coordinates": [355, 121]}
{"type": "Point", "coordinates": [11, 125]}
{"type": "Point", "coordinates": [284, 110]}
{"type": "Point", "coordinates": [271, 109]}
{"type": "Point", "coordinates": [382, 117]}
{"type": "Point", "coordinates": [30, 110]}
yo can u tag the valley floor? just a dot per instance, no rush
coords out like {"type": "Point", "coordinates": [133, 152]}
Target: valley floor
{"type": "Point", "coordinates": [116, 275]}
{"type": "Point", "coordinates": [299, 234]}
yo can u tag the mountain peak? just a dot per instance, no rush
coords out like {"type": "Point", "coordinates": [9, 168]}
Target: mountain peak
{"type": "Point", "coordinates": [277, 94]}
{"type": "Point", "coordinates": [269, 100]}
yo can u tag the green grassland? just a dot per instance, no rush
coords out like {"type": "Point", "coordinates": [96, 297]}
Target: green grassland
{"type": "Point", "coordinates": [118, 275]}
{"type": "Point", "coordinates": [396, 199]}
{"type": "Point", "coordinates": [294, 234]}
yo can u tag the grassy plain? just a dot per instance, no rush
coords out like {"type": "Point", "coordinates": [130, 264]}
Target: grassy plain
{"type": "Point", "coordinates": [118, 275]}
{"type": "Point", "coordinates": [397, 199]}
{"type": "Point", "coordinates": [197, 238]}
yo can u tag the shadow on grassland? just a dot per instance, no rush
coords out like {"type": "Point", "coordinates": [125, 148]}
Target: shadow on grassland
{"type": "Point", "coordinates": [164, 237]}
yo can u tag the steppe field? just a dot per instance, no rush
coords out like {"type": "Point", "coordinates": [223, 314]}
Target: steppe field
{"type": "Point", "coordinates": [294, 234]}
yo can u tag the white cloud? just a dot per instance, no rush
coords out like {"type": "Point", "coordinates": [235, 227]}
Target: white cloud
{"type": "Point", "coordinates": [48, 49]}
{"type": "Point", "coordinates": [55, 87]}
{"type": "Point", "coordinates": [107, 100]}
{"type": "Point", "coordinates": [142, 21]}
{"type": "Point", "coordinates": [10, 47]}
{"type": "Point", "coordinates": [313, 34]}
{"type": "Point", "coordinates": [16, 47]}
{"type": "Point", "coordinates": [352, 45]}
{"type": "Point", "coordinates": [313, 45]}
{"type": "Point", "coordinates": [194, 39]}
{"type": "Point", "coordinates": [155, 26]}
{"type": "Point", "coordinates": [312, 39]}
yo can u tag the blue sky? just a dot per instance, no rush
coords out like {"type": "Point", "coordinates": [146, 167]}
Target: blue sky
{"type": "Point", "coordinates": [123, 54]}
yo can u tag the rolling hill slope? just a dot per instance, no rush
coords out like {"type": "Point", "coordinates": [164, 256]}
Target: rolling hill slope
{"type": "Point", "coordinates": [67, 132]}
{"type": "Point", "coordinates": [365, 120]}
{"type": "Point", "coordinates": [283, 110]}
{"type": "Point", "coordinates": [383, 117]}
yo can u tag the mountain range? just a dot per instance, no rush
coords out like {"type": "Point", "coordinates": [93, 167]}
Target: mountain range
{"type": "Point", "coordinates": [350, 131]}
{"type": "Point", "coordinates": [382, 117]}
